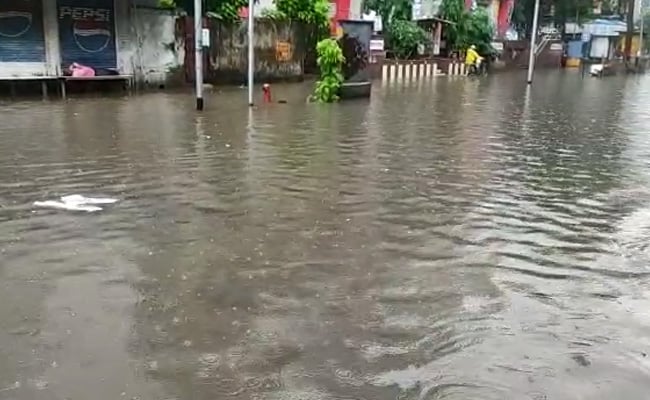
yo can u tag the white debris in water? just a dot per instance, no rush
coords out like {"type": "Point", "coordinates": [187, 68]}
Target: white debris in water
{"type": "Point", "coordinates": [76, 202]}
{"type": "Point", "coordinates": [15, 386]}
{"type": "Point", "coordinates": [40, 384]}
{"type": "Point", "coordinates": [79, 199]}
{"type": "Point", "coordinates": [63, 206]}
{"type": "Point", "coordinates": [152, 365]}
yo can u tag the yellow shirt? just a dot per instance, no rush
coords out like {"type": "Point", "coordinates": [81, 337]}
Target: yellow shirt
{"type": "Point", "coordinates": [471, 56]}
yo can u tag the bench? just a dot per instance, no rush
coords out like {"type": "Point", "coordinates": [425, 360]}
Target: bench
{"type": "Point", "coordinates": [63, 80]}
{"type": "Point", "coordinates": [126, 79]}
{"type": "Point", "coordinates": [42, 79]}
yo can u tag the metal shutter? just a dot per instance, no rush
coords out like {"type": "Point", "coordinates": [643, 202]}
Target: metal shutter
{"type": "Point", "coordinates": [21, 31]}
{"type": "Point", "coordinates": [87, 32]}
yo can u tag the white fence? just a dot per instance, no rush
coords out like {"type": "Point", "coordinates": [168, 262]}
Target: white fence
{"type": "Point", "coordinates": [419, 70]}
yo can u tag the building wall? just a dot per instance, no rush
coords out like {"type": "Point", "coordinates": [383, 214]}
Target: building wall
{"type": "Point", "coordinates": [145, 39]}
{"type": "Point", "coordinates": [279, 51]}
{"type": "Point", "coordinates": [147, 44]}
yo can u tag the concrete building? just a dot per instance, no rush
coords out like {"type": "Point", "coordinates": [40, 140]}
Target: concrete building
{"type": "Point", "coordinates": [40, 38]}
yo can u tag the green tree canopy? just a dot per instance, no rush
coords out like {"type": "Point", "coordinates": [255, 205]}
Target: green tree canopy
{"type": "Point", "coordinates": [390, 10]}
{"type": "Point", "coordinates": [467, 28]}
{"type": "Point", "coordinates": [227, 10]}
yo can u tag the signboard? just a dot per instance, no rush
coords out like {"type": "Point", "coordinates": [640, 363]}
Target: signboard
{"type": "Point", "coordinates": [87, 32]}
{"type": "Point", "coordinates": [21, 31]}
{"type": "Point", "coordinates": [377, 44]}
{"type": "Point", "coordinates": [426, 9]}
{"type": "Point", "coordinates": [283, 51]}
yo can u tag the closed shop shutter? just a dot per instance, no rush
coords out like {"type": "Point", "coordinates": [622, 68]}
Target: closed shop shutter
{"type": "Point", "coordinates": [21, 31]}
{"type": "Point", "coordinates": [87, 32]}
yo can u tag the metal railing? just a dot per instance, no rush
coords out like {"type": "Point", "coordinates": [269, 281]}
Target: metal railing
{"type": "Point", "coordinates": [542, 44]}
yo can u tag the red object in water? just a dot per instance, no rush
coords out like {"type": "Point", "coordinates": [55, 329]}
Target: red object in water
{"type": "Point", "coordinates": [266, 89]}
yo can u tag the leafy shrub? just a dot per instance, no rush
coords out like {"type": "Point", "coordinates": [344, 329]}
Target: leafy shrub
{"type": "Point", "coordinates": [355, 55]}
{"type": "Point", "coordinates": [404, 37]}
{"type": "Point", "coordinates": [470, 28]}
{"type": "Point", "coordinates": [308, 12]}
{"type": "Point", "coordinates": [330, 61]}
{"type": "Point", "coordinates": [274, 14]}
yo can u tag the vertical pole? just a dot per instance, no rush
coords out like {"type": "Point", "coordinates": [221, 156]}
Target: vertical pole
{"type": "Point", "coordinates": [198, 53]}
{"type": "Point", "coordinates": [251, 55]}
{"type": "Point", "coordinates": [533, 43]}
{"type": "Point", "coordinates": [641, 31]}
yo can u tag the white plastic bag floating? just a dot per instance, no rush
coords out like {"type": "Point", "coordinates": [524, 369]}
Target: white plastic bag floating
{"type": "Point", "coordinates": [76, 202]}
{"type": "Point", "coordinates": [79, 199]}
{"type": "Point", "coordinates": [596, 69]}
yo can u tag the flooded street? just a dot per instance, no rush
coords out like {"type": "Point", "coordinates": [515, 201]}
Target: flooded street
{"type": "Point", "coordinates": [462, 239]}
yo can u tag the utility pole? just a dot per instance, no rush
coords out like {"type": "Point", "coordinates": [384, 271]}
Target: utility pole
{"type": "Point", "coordinates": [198, 53]}
{"type": "Point", "coordinates": [641, 41]}
{"type": "Point", "coordinates": [630, 30]}
{"type": "Point", "coordinates": [251, 54]}
{"type": "Point", "coordinates": [533, 44]}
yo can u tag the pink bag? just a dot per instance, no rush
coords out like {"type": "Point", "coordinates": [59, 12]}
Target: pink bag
{"type": "Point", "coordinates": [79, 70]}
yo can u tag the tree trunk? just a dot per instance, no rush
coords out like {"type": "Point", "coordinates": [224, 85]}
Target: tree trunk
{"type": "Point", "coordinates": [630, 30]}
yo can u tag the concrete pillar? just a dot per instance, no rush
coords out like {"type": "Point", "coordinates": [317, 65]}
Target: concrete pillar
{"type": "Point", "coordinates": [51, 31]}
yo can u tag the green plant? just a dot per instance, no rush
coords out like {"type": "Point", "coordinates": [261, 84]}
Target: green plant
{"type": "Point", "coordinates": [468, 28]}
{"type": "Point", "coordinates": [453, 11]}
{"type": "Point", "coordinates": [479, 31]}
{"type": "Point", "coordinates": [167, 4]}
{"type": "Point", "coordinates": [309, 12]}
{"type": "Point", "coordinates": [390, 10]}
{"type": "Point", "coordinates": [225, 10]}
{"type": "Point", "coordinates": [404, 37]}
{"type": "Point", "coordinates": [330, 62]}
{"type": "Point", "coordinates": [274, 14]}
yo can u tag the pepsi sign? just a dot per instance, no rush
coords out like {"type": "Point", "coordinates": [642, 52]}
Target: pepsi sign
{"type": "Point", "coordinates": [87, 32]}
{"type": "Point", "coordinates": [21, 31]}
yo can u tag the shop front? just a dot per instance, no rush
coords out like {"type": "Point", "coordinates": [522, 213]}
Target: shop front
{"type": "Point", "coordinates": [22, 36]}
{"type": "Point", "coordinates": [87, 33]}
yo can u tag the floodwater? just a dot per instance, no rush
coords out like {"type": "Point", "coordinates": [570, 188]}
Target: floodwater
{"type": "Point", "coordinates": [462, 239]}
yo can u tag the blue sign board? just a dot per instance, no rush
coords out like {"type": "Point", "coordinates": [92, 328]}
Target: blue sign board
{"type": "Point", "coordinates": [87, 32]}
{"type": "Point", "coordinates": [21, 31]}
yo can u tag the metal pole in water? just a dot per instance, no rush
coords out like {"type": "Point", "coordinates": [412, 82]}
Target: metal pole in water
{"type": "Point", "coordinates": [641, 42]}
{"type": "Point", "coordinates": [533, 43]}
{"type": "Point", "coordinates": [198, 53]}
{"type": "Point", "coordinates": [251, 55]}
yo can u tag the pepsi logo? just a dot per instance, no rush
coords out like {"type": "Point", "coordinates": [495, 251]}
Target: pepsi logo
{"type": "Point", "coordinates": [15, 19]}
{"type": "Point", "coordinates": [91, 36]}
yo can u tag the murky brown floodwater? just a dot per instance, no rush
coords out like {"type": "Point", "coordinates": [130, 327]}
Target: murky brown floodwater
{"type": "Point", "coordinates": [424, 245]}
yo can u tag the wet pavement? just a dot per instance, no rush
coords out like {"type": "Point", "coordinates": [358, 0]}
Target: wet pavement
{"type": "Point", "coordinates": [463, 239]}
